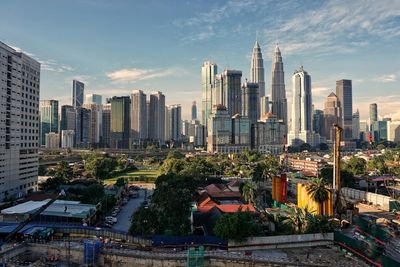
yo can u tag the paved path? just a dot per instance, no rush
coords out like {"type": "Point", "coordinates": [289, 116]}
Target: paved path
{"type": "Point", "coordinates": [124, 216]}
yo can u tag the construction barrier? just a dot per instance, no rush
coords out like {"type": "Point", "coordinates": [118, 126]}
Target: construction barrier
{"type": "Point", "coordinates": [304, 200]}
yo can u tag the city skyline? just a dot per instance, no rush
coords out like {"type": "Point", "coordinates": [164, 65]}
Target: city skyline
{"type": "Point", "coordinates": [341, 41]}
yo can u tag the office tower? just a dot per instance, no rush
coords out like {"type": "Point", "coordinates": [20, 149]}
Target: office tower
{"type": "Point", "coordinates": [94, 123]}
{"type": "Point", "coordinates": [278, 93]}
{"type": "Point", "coordinates": [94, 99]}
{"type": "Point", "coordinates": [120, 122]}
{"type": "Point", "coordinates": [228, 91]}
{"type": "Point", "coordinates": [78, 89]}
{"type": "Point", "coordinates": [356, 125]}
{"type": "Point", "coordinates": [19, 124]}
{"type": "Point", "coordinates": [106, 126]}
{"type": "Point", "coordinates": [373, 112]}
{"type": "Point", "coordinates": [194, 110]}
{"type": "Point", "coordinates": [364, 130]}
{"type": "Point", "coordinates": [345, 96]}
{"type": "Point", "coordinates": [264, 105]}
{"type": "Point", "coordinates": [82, 127]}
{"type": "Point", "coordinates": [268, 135]}
{"type": "Point", "coordinates": [333, 115]}
{"type": "Point", "coordinates": [250, 102]}
{"type": "Point", "coordinates": [241, 130]}
{"type": "Point", "coordinates": [393, 131]}
{"type": "Point", "coordinates": [52, 140]}
{"type": "Point", "coordinates": [67, 138]}
{"type": "Point", "coordinates": [167, 115]}
{"type": "Point", "coordinates": [48, 118]}
{"type": "Point", "coordinates": [208, 72]}
{"type": "Point", "coordinates": [257, 69]}
{"type": "Point", "coordinates": [319, 122]}
{"type": "Point", "coordinates": [138, 116]}
{"type": "Point", "coordinates": [156, 118]}
{"type": "Point", "coordinates": [174, 122]}
{"type": "Point", "coordinates": [219, 129]}
{"type": "Point", "coordinates": [186, 128]}
{"type": "Point", "coordinates": [68, 117]}
{"type": "Point", "coordinates": [198, 138]}
{"type": "Point", "coordinates": [301, 126]}
{"type": "Point", "coordinates": [379, 130]}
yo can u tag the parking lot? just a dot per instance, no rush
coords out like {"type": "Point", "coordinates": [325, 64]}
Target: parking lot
{"type": "Point", "coordinates": [124, 216]}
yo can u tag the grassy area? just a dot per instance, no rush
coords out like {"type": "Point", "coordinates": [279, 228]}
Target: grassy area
{"type": "Point", "coordinates": [132, 176]}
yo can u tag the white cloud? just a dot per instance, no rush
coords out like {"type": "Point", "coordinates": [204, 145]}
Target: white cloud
{"type": "Point", "coordinates": [387, 78]}
{"type": "Point", "coordinates": [320, 91]}
{"type": "Point", "coordinates": [136, 74]}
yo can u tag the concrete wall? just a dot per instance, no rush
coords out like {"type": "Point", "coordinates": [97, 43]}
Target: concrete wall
{"type": "Point", "coordinates": [376, 199]}
{"type": "Point", "coordinates": [282, 241]}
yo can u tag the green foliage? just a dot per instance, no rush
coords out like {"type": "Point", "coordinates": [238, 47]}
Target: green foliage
{"type": "Point", "coordinates": [323, 147]}
{"type": "Point", "coordinates": [297, 220]}
{"type": "Point", "coordinates": [99, 166]}
{"type": "Point", "coordinates": [42, 170]}
{"type": "Point", "coordinates": [237, 226]}
{"type": "Point", "coordinates": [91, 194]}
{"type": "Point", "coordinates": [120, 182]}
{"type": "Point", "coordinates": [346, 177]}
{"type": "Point", "coordinates": [248, 192]}
{"type": "Point", "coordinates": [305, 147]}
{"type": "Point", "coordinates": [355, 165]}
{"type": "Point", "coordinates": [318, 191]}
{"type": "Point", "coordinates": [378, 164]}
{"type": "Point", "coordinates": [266, 169]}
{"type": "Point", "coordinates": [174, 154]}
{"type": "Point", "coordinates": [63, 170]}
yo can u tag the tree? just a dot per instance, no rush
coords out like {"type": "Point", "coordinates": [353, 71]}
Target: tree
{"type": "Point", "coordinates": [323, 147]}
{"type": "Point", "coordinates": [305, 147]}
{"type": "Point", "coordinates": [378, 164]}
{"type": "Point", "coordinates": [63, 170]}
{"type": "Point", "coordinates": [249, 190]}
{"type": "Point", "coordinates": [174, 154]}
{"type": "Point", "coordinates": [357, 166]}
{"type": "Point", "coordinates": [297, 220]}
{"type": "Point", "coordinates": [237, 226]}
{"type": "Point", "coordinates": [318, 191]}
{"type": "Point", "coordinates": [99, 166]}
{"type": "Point", "coordinates": [346, 177]}
{"type": "Point", "coordinates": [120, 182]}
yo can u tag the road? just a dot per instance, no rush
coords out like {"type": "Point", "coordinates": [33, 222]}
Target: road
{"type": "Point", "coordinates": [124, 216]}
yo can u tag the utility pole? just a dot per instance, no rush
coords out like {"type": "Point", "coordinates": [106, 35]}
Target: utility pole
{"type": "Point", "coordinates": [336, 170]}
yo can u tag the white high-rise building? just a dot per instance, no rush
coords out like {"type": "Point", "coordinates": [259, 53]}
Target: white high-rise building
{"type": "Point", "coordinates": [138, 115]}
{"type": "Point", "coordinates": [208, 72]}
{"type": "Point", "coordinates": [67, 138]}
{"type": "Point", "coordinates": [278, 92]}
{"type": "Point", "coordinates": [393, 131]}
{"type": "Point", "coordinates": [257, 69]}
{"type": "Point", "coordinates": [19, 124]}
{"type": "Point", "coordinates": [52, 140]}
{"type": "Point", "coordinates": [301, 130]}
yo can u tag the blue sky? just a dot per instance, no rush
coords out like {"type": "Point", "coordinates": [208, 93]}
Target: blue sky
{"type": "Point", "coordinates": [118, 46]}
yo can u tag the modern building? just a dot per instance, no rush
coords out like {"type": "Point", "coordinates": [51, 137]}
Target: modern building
{"type": "Point", "coordinates": [196, 134]}
{"type": "Point", "coordinates": [344, 92]}
{"type": "Point", "coordinates": [228, 91]}
{"type": "Point", "coordinates": [48, 118]}
{"type": "Point", "coordinates": [332, 115]}
{"type": "Point", "coordinates": [219, 129]}
{"type": "Point", "coordinates": [250, 101]}
{"type": "Point", "coordinates": [373, 113]}
{"type": "Point", "coordinates": [138, 116]}
{"type": "Point", "coordinates": [356, 125]}
{"type": "Point", "coordinates": [120, 122]}
{"type": "Point", "coordinates": [194, 111]}
{"type": "Point", "coordinates": [268, 135]}
{"type": "Point", "coordinates": [106, 126]}
{"type": "Point", "coordinates": [156, 117]}
{"type": "Point", "coordinates": [319, 122]}
{"type": "Point", "coordinates": [379, 130]}
{"type": "Point", "coordinates": [78, 89]}
{"type": "Point", "coordinates": [301, 127]}
{"type": "Point", "coordinates": [19, 124]}
{"type": "Point", "coordinates": [167, 115]}
{"type": "Point", "coordinates": [364, 130]}
{"type": "Point", "coordinates": [175, 122]}
{"type": "Point", "coordinates": [208, 73]}
{"type": "Point", "coordinates": [68, 117]}
{"type": "Point", "coordinates": [308, 166]}
{"type": "Point", "coordinates": [94, 123]}
{"type": "Point", "coordinates": [264, 105]}
{"type": "Point", "coordinates": [257, 69]}
{"type": "Point", "coordinates": [67, 138]}
{"type": "Point", "coordinates": [278, 92]}
{"type": "Point", "coordinates": [393, 131]}
{"type": "Point", "coordinates": [241, 130]}
{"type": "Point", "coordinates": [82, 127]}
{"type": "Point", "coordinates": [94, 99]}
{"type": "Point", "coordinates": [52, 140]}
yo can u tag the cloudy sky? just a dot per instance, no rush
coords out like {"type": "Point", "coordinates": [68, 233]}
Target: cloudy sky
{"type": "Point", "coordinates": [117, 46]}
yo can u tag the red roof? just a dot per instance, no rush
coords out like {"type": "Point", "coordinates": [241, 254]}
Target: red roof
{"type": "Point", "coordinates": [227, 208]}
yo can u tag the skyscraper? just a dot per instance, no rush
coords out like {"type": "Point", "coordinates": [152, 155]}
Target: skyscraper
{"type": "Point", "coordinates": [194, 111]}
{"type": "Point", "coordinates": [228, 91]}
{"type": "Point", "coordinates": [94, 123]}
{"type": "Point", "coordinates": [120, 122]}
{"type": "Point", "coordinates": [68, 117]}
{"type": "Point", "coordinates": [356, 125]}
{"type": "Point", "coordinates": [301, 126]}
{"type": "Point", "coordinates": [106, 126]}
{"type": "Point", "coordinates": [82, 127]}
{"type": "Point", "coordinates": [332, 115]}
{"type": "Point", "coordinates": [78, 89]}
{"type": "Point", "coordinates": [93, 99]}
{"type": "Point", "coordinates": [19, 124]}
{"type": "Point", "coordinates": [156, 118]}
{"type": "Point", "coordinates": [264, 105]}
{"type": "Point", "coordinates": [174, 122]}
{"type": "Point", "coordinates": [138, 116]}
{"type": "Point", "coordinates": [48, 118]}
{"type": "Point", "coordinates": [257, 69]}
{"type": "Point", "coordinates": [278, 93]}
{"type": "Point", "coordinates": [208, 72]}
{"type": "Point", "coordinates": [345, 96]}
{"type": "Point", "coordinates": [373, 112]}
{"type": "Point", "coordinates": [219, 130]}
{"type": "Point", "coordinates": [250, 101]}
{"type": "Point", "coordinates": [319, 122]}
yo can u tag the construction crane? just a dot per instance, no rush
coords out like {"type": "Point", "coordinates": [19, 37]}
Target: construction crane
{"type": "Point", "coordinates": [31, 217]}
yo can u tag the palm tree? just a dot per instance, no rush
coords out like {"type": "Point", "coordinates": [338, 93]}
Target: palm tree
{"type": "Point", "coordinates": [319, 192]}
{"type": "Point", "coordinates": [297, 219]}
{"type": "Point", "coordinates": [248, 192]}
